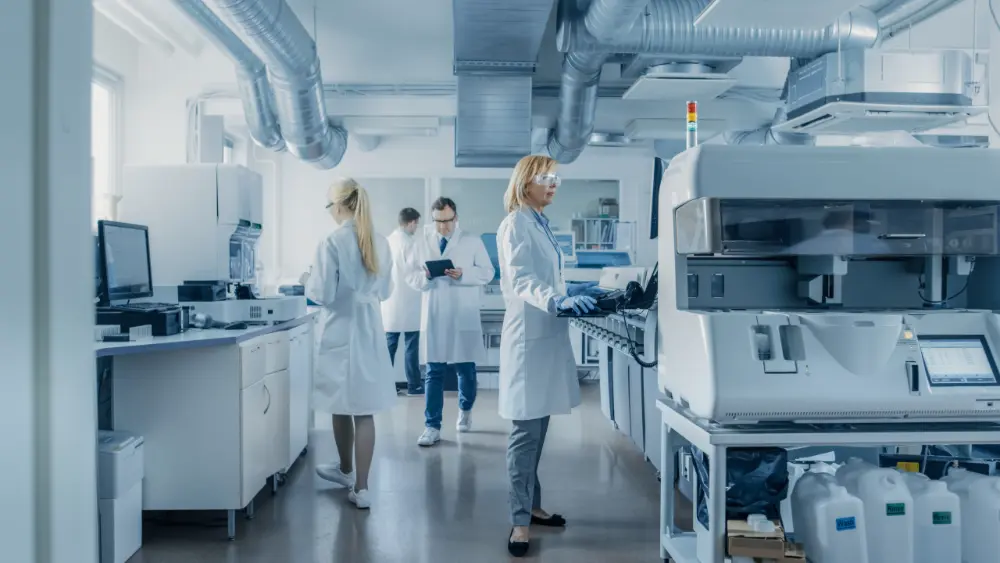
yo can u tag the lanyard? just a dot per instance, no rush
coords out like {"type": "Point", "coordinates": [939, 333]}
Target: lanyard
{"type": "Point", "coordinates": [552, 238]}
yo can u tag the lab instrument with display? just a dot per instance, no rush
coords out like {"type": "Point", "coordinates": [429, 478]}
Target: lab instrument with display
{"type": "Point", "coordinates": [868, 296]}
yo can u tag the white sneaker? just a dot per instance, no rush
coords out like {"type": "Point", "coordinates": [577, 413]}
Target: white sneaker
{"type": "Point", "coordinates": [361, 499]}
{"type": "Point", "coordinates": [464, 423]}
{"type": "Point", "coordinates": [430, 437]}
{"type": "Point", "coordinates": [331, 472]}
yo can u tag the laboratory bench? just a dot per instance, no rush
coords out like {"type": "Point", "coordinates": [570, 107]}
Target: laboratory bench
{"type": "Point", "coordinates": [221, 411]}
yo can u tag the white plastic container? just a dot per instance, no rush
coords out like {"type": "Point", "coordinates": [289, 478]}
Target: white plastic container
{"type": "Point", "coordinates": [829, 521]}
{"type": "Point", "coordinates": [979, 497]}
{"type": "Point", "coordinates": [888, 514]}
{"type": "Point", "coordinates": [795, 472]}
{"type": "Point", "coordinates": [848, 473]}
{"type": "Point", "coordinates": [937, 521]}
{"type": "Point", "coordinates": [837, 525]}
{"type": "Point", "coordinates": [120, 473]}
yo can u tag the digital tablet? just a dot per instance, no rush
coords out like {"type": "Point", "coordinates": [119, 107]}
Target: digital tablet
{"type": "Point", "coordinates": [436, 268]}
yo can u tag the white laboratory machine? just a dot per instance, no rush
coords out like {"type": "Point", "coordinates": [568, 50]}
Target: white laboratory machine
{"type": "Point", "coordinates": [205, 223]}
{"type": "Point", "coordinates": [830, 283]}
{"type": "Point", "coordinates": [204, 220]}
{"type": "Point", "coordinates": [262, 310]}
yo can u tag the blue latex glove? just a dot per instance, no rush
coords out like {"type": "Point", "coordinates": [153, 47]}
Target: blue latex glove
{"type": "Point", "coordinates": [586, 288]}
{"type": "Point", "coordinates": [579, 304]}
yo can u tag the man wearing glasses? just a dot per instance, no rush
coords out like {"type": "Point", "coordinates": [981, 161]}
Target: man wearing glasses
{"type": "Point", "coordinates": [450, 322]}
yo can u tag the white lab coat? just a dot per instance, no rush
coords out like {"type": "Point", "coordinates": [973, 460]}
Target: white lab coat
{"type": "Point", "coordinates": [401, 311]}
{"type": "Point", "coordinates": [450, 325]}
{"type": "Point", "coordinates": [353, 375]}
{"type": "Point", "coordinates": [537, 368]}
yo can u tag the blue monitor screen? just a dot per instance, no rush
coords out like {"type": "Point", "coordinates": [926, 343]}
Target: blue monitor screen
{"type": "Point", "coordinates": [602, 259]}
{"type": "Point", "coordinates": [565, 241]}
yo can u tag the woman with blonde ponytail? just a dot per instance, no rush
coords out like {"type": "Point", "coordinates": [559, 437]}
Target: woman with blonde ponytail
{"type": "Point", "coordinates": [353, 378]}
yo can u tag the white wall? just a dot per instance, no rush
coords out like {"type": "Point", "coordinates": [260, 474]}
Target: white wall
{"type": "Point", "coordinates": [303, 187]}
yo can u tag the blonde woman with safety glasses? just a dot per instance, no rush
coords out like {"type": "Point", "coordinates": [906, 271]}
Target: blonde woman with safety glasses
{"type": "Point", "coordinates": [353, 379]}
{"type": "Point", "coordinates": [537, 369]}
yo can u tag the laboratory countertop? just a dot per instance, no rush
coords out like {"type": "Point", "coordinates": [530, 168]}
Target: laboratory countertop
{"type": "Point", "coordinates": [195, 338]}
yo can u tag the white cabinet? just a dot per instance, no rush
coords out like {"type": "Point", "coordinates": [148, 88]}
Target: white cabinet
{"type": "Point", "coordinates": [217, 420]}
{"type": "Point", "coordinates": [300, 369]}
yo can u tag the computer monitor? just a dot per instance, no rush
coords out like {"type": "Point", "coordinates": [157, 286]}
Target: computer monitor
{"type": "Point", "coordinates": [567, 243]}
{"type": "Point", "coordinates": [126, 272]}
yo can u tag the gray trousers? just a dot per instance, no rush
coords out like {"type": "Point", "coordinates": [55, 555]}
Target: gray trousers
{"type": "Point", "coordinates": [523, 454]}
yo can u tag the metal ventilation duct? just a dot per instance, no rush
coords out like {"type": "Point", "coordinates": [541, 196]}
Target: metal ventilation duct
{"type": "Point", "coordinates": [667, 27]}
{"type": "Point", "coordinates": [294, 70]}
{"type": "Point", "coordinates": [493, 125]}
{"type": "Point", "coordinates": [496, 47]}
{"type": "Point", "coordinates": [604, 19]}
{"type": "Point", "coordinates": [251, 74]}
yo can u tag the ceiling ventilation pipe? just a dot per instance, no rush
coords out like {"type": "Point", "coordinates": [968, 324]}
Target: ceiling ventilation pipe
{"type": "Point", "coordinates": [667, 27]}
{"type": "Point", "coordinates": [279, 38]}
{"type": "Point", "coordinates": [251, 74]}
{"type": "Point", "coordinates": [604, 20]}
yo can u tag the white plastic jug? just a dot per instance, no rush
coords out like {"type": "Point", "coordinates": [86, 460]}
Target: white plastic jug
{"type": "Point", "coordinates": [979, 497]}
{"type": "Point", "coordinates": [888, 514]}
{"type": "Point", "coordinates": [795, 472]}
{"type": "Point", "coordinates": [824, 467]}
{"type": "Point", "coordinates": [838, 520]}
{"type": "Point", "coordinates": [847, 474]}
{"type": "Point", "coordinates": [810, 488]}
{"type": "Point", "coordinates": [937, 521]}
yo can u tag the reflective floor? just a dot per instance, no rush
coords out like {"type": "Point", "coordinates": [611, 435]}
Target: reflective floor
{"type": "Point", "coordinates": [440, 505]}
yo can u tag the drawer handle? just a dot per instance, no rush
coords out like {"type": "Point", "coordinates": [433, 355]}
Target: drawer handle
{"type": "Point", "coordinates": [268, 391]}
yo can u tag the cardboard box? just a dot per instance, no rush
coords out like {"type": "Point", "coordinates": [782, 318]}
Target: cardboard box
{"type": "Point", "coordinates": [743, 541]}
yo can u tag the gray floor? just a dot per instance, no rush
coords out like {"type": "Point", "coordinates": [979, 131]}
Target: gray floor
{"type": "Point", "coordinates": [441, 505]}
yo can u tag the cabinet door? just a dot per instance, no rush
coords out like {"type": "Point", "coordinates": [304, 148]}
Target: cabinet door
{"type": "Point", "coordinates": [606, 371]}
{"type": "Point", "coordinates": [299, 377]}
{"type": "Point", "coordinates": [654, 420]}
{"type": "Point", "coordinates": [637, 418]}
{"type": "Point", "coordinates": [276, 422]}
{"type": "Point", "coordinates": [255, 404]}
{"type": "Point", "coordinates": [620, 392]}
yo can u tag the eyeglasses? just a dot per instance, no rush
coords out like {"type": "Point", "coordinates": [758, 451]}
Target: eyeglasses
{"type": "Point", "coordinates": [329, 205]}
{"type": "Point", "coordinates": [446, 221]}
{"type": "Point", "coordinates": [548, 180]}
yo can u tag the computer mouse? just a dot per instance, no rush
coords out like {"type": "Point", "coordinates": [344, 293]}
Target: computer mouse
{"type": "Point", "coordinates": [236, 326]}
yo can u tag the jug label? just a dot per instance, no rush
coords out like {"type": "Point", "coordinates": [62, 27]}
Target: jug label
{"type": "Point", "coordinates": [941, 518]}
{"type": "Point", "coordinates": [846, 523]}
{"type": "Point", "coordinates": [895, 509]}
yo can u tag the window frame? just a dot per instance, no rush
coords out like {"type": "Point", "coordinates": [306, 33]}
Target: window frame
{"type": "Point", "coordinates": [114, 84]}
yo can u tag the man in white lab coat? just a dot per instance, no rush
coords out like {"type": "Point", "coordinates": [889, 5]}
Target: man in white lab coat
{"type": "Point", "coordinates": [450, 322]}
{"type": "Point", "coordinates": [401, 312]}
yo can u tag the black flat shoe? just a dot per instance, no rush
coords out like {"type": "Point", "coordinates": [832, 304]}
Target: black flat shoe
{"type": "Point", "coordinates": [516, 548]}
{"type": "Point", "coordinates": [554, 521]}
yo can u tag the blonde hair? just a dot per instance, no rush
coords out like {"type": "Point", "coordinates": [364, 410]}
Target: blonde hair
{"type": "Point", "coordinates": [524, 173]}
{"type": "Point", "coordinates": [348, 194]}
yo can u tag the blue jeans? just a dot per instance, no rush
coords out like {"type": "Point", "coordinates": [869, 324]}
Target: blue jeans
{"type": "Point", "coordinates": [411, 355]}
{"type": "Point", "coordinates": [434, 390]}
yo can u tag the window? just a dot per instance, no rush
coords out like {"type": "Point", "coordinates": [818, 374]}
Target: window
{"type": "Point", "coordinates": [104, 144]}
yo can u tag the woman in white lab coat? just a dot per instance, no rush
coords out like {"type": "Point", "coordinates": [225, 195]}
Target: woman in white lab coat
{"type": "Point", "coordinates": [353, 378]}
{"type": "Point", "coordinates": [538, 376]}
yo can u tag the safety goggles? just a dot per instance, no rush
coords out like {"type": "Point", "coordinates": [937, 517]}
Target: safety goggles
{"type": "Point", "coordinates": [548, 180]}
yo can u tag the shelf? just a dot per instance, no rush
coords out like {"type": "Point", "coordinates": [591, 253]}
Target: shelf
{"type": "Point", "coordinates": [683, 548]}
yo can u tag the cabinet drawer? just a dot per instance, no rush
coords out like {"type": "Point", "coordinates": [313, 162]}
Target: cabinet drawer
{"type": "Point", "coordinates": [253, 361]}
{"type": "Point", "coordinates": [276, 358]}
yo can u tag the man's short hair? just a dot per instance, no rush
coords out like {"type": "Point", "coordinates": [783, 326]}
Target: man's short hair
{"type": "Point", "coordinates": [408, 215]}
{"type": "Point", "coordinates": [442, 202]}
